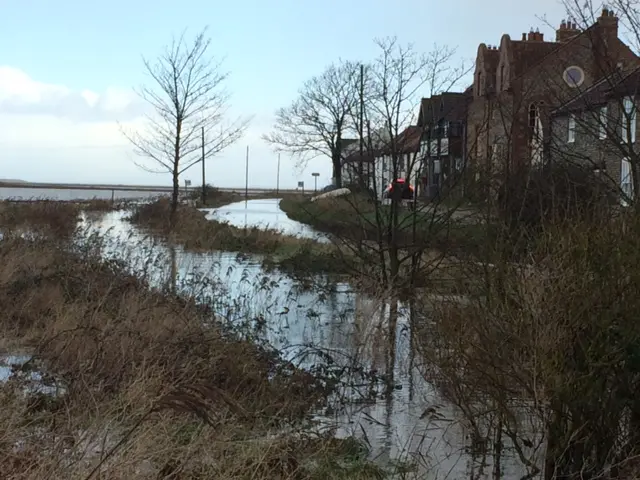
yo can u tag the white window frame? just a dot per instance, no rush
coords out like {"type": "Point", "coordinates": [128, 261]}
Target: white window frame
{"type": "Point", "coordinates": [629, 119]}
{"type": "Point", "coordinates": [602, 123]}
{"type": "Point", "coordinates": [571, 129]}
{"type": "Point", "coordinates": [626, 182]}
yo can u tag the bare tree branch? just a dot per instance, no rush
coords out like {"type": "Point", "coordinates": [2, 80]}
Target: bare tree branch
{"type": "Point", "coordinates": [316, 122]}
{"type": "Point", "coordinates": [188, 101]}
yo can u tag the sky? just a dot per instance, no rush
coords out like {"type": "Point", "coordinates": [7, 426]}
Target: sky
{"type": "Point", "coordinates": [68, 69]}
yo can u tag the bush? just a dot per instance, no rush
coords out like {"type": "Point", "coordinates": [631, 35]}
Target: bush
{"type": "Point", "coordinates": [554, 193]}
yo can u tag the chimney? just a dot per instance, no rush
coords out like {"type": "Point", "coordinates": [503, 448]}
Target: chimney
{"type": "Point", "coordinates": [568, 29]}
{"type": "Point", "coordinates": [524, 37]}
{"type": "Point", "coordinates": [608, 23]}
{"type": "Point", "coordinates": [530, 36]}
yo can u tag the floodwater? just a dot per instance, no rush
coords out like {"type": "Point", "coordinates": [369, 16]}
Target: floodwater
{"type": "Point", "coordinates": [334, 325]}
{"type": "Point", "coordinates": [16, 193]}
{"type": "Point", "coordinates": [264, 214]}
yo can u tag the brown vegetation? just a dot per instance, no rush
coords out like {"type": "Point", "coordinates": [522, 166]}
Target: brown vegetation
{"type": "Point", "coordinates": [546, 358]}
{"type": "Point", "coordinates": [145, 384]}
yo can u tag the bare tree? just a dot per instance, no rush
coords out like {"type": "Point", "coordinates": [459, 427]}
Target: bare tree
{"type": "Point", "coordinates": [189, 104]}
{"type": "Point", "coordinates": [316, 122]}
{"type": "Point", "coordinates": [401, 77]}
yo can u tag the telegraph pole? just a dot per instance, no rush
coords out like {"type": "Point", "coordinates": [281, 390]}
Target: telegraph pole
{"type": "Point", "coordinates": [361, 125]}
{"type": "Point", "coordinates": [204, 183]}
{"type": "Point", "coordinates": [278, 177]}
{"type": "Point", "coordinates": [246, 176]}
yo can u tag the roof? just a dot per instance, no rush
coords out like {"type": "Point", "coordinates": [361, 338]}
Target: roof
{"type": "Point", "coordinates": [409, 140]}
{"type": "Point", "coordinates": [619, 84]}
{"type": "Point", "coordinates": [527, 54]}
{"type": "Point", "coordinates": [451, 106]}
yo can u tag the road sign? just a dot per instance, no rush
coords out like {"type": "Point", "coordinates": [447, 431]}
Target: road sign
{"type": "Point", "coordinates": [187, 183]}
{"type": "Point", "coordinates": [315, 174]}
{"type": "Point", "coordinates": [300, 184]}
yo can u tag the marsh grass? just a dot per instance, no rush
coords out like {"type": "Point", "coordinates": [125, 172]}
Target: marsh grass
{"type": "Point", "coordinates": [146, 385]}
{"type": "Point", "coordinates": [196, 233]}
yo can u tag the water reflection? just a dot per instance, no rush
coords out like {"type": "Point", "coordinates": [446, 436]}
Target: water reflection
{"type": "Point", "coordinates": [264, 213]}
{"type": "Point", "coordinates": [400, 417]}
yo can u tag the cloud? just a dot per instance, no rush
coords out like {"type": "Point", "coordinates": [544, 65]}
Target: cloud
{"type": "Point", "coordinates": [22, 95]}
{"type": "Point", "coordinates": [52, 133]}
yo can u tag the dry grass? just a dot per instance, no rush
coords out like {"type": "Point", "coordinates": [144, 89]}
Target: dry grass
{"type": "Point", "coordinates": [195, 232]}
{"type": "Point", "coordinates": [57, 219]}
{"type": "Point", "coordinates": [147, 385]}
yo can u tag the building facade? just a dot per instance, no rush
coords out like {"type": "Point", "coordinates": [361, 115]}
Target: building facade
{"type": "Point", "coordinates": [442, 120]}
{"type": "Point", "coordinates": [598, 130]}
{"type": "Point", "coordinates": [520, 82]}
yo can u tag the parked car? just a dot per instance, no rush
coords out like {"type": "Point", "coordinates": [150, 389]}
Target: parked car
{"type": "Point", "coordinates": [328, 188]}
{"type": "Point", "coordinates": [406, 189]}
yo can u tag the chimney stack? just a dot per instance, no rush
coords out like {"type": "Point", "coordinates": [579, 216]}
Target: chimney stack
{"type": "Point", "coordinates": [608, 22]}
{"type": "Point", "coordinates": [568, 29]}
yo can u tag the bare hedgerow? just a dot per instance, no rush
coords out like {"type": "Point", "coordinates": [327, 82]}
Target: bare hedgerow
{"type": "Point", "coordinates": [545, 361]}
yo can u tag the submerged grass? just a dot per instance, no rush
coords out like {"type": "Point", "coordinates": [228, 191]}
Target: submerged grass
{"type": "Point", "coordinates": [146, 384]}
{"type": "Point", "coordinates": [197, 233]}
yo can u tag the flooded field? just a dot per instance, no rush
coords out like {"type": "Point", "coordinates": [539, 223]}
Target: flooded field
{"type": "Point", "coordinates": [387, 401]}
{"type": "Point", "coordinates": [61, 194]}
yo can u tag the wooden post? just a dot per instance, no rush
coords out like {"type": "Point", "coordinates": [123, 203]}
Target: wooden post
{"type": "Point", "coordinates": [246, 176]}
{"type": "Point", "coordinates": [204, 183]}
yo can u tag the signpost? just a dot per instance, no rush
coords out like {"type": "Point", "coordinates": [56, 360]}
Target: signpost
{"type": "Point", "coordinates": [187, 184]}
{"type": "Point", "coordinates": [315, 179]}
{"type": "Point", "coordinates": [301, 185]}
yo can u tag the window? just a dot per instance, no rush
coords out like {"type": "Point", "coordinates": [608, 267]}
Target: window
{"type": "Point", "coordinates": [628, 120]}
{"type": "Point", "coordinates": [571, 134]}
{"type": "Point", "coordinates": [626, 184]}
{"type": "Point", "coordinates": [602, 123]}
{"type": "Point", "coordinates": [573, 76]}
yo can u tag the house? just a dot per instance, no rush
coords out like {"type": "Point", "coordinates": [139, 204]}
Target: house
{"type": "Point", "coordinates": [520, 82]}
{"type": "Point", "coordinates": [598, 129]}
{"type": "Point", "coordinates": [407, 165]}
{"type": "Point", "coordinates": [442, 119]}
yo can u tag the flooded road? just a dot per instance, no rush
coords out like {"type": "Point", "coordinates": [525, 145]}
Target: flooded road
{"type": "Point", "coordinates": [264, 213]}
{"type": "Point", "coordinates": [402, 419]}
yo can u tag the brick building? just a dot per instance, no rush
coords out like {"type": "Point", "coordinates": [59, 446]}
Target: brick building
{"type": "Point", "coordinates": [598, 129]}
{"type": "Point", "coordinates": [520, 82]}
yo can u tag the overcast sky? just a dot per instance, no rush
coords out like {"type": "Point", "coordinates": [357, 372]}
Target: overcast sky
{"type": "Point", "coordinates": [67, 70]}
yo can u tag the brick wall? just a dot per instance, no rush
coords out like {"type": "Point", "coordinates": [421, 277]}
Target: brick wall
{"type": "Point", "coordinates": [521, 73]}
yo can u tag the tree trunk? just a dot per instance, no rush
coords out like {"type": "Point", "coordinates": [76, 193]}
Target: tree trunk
{"type": "Point", "coordinates": [174, 197]}
{"type": "Point", "coordinates": [337, 169]}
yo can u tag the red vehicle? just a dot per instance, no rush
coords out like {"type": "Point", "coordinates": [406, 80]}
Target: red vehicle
{"type": "Point", "coordinates": [406, 190]}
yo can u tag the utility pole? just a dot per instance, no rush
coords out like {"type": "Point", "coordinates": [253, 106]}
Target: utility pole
{"type": "Point", "coordinates": [278, 177]}
{"type": "Point", "coordinates": [204, 183]}
{"type": "Point", "coordinates": [361, 126]}
{"type": "Point", "coordinates": [246, 176]}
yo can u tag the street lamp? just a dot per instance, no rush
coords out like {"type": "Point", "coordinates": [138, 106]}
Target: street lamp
{"type": "Point", "coordinates": [315, 179]}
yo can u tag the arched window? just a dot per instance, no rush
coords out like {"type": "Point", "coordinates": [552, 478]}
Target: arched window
{"type": "Point", "coordinates": [536, 133]}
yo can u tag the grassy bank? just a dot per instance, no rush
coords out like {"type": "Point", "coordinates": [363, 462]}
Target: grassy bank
{"type": "Point", "coordinates": [196, 233]}
{"type": "Point", "coordinates": [354, 217]}
{"type": "Point", "coordinates": [143, 389]}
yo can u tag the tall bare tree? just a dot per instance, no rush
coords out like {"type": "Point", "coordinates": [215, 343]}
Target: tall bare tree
{"type": "Point", "coordinates": [316, 122]}
{"type": "Point", "coordinates": [188, 108]}
{"type": "Point", "coordinates": [400, 76]}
